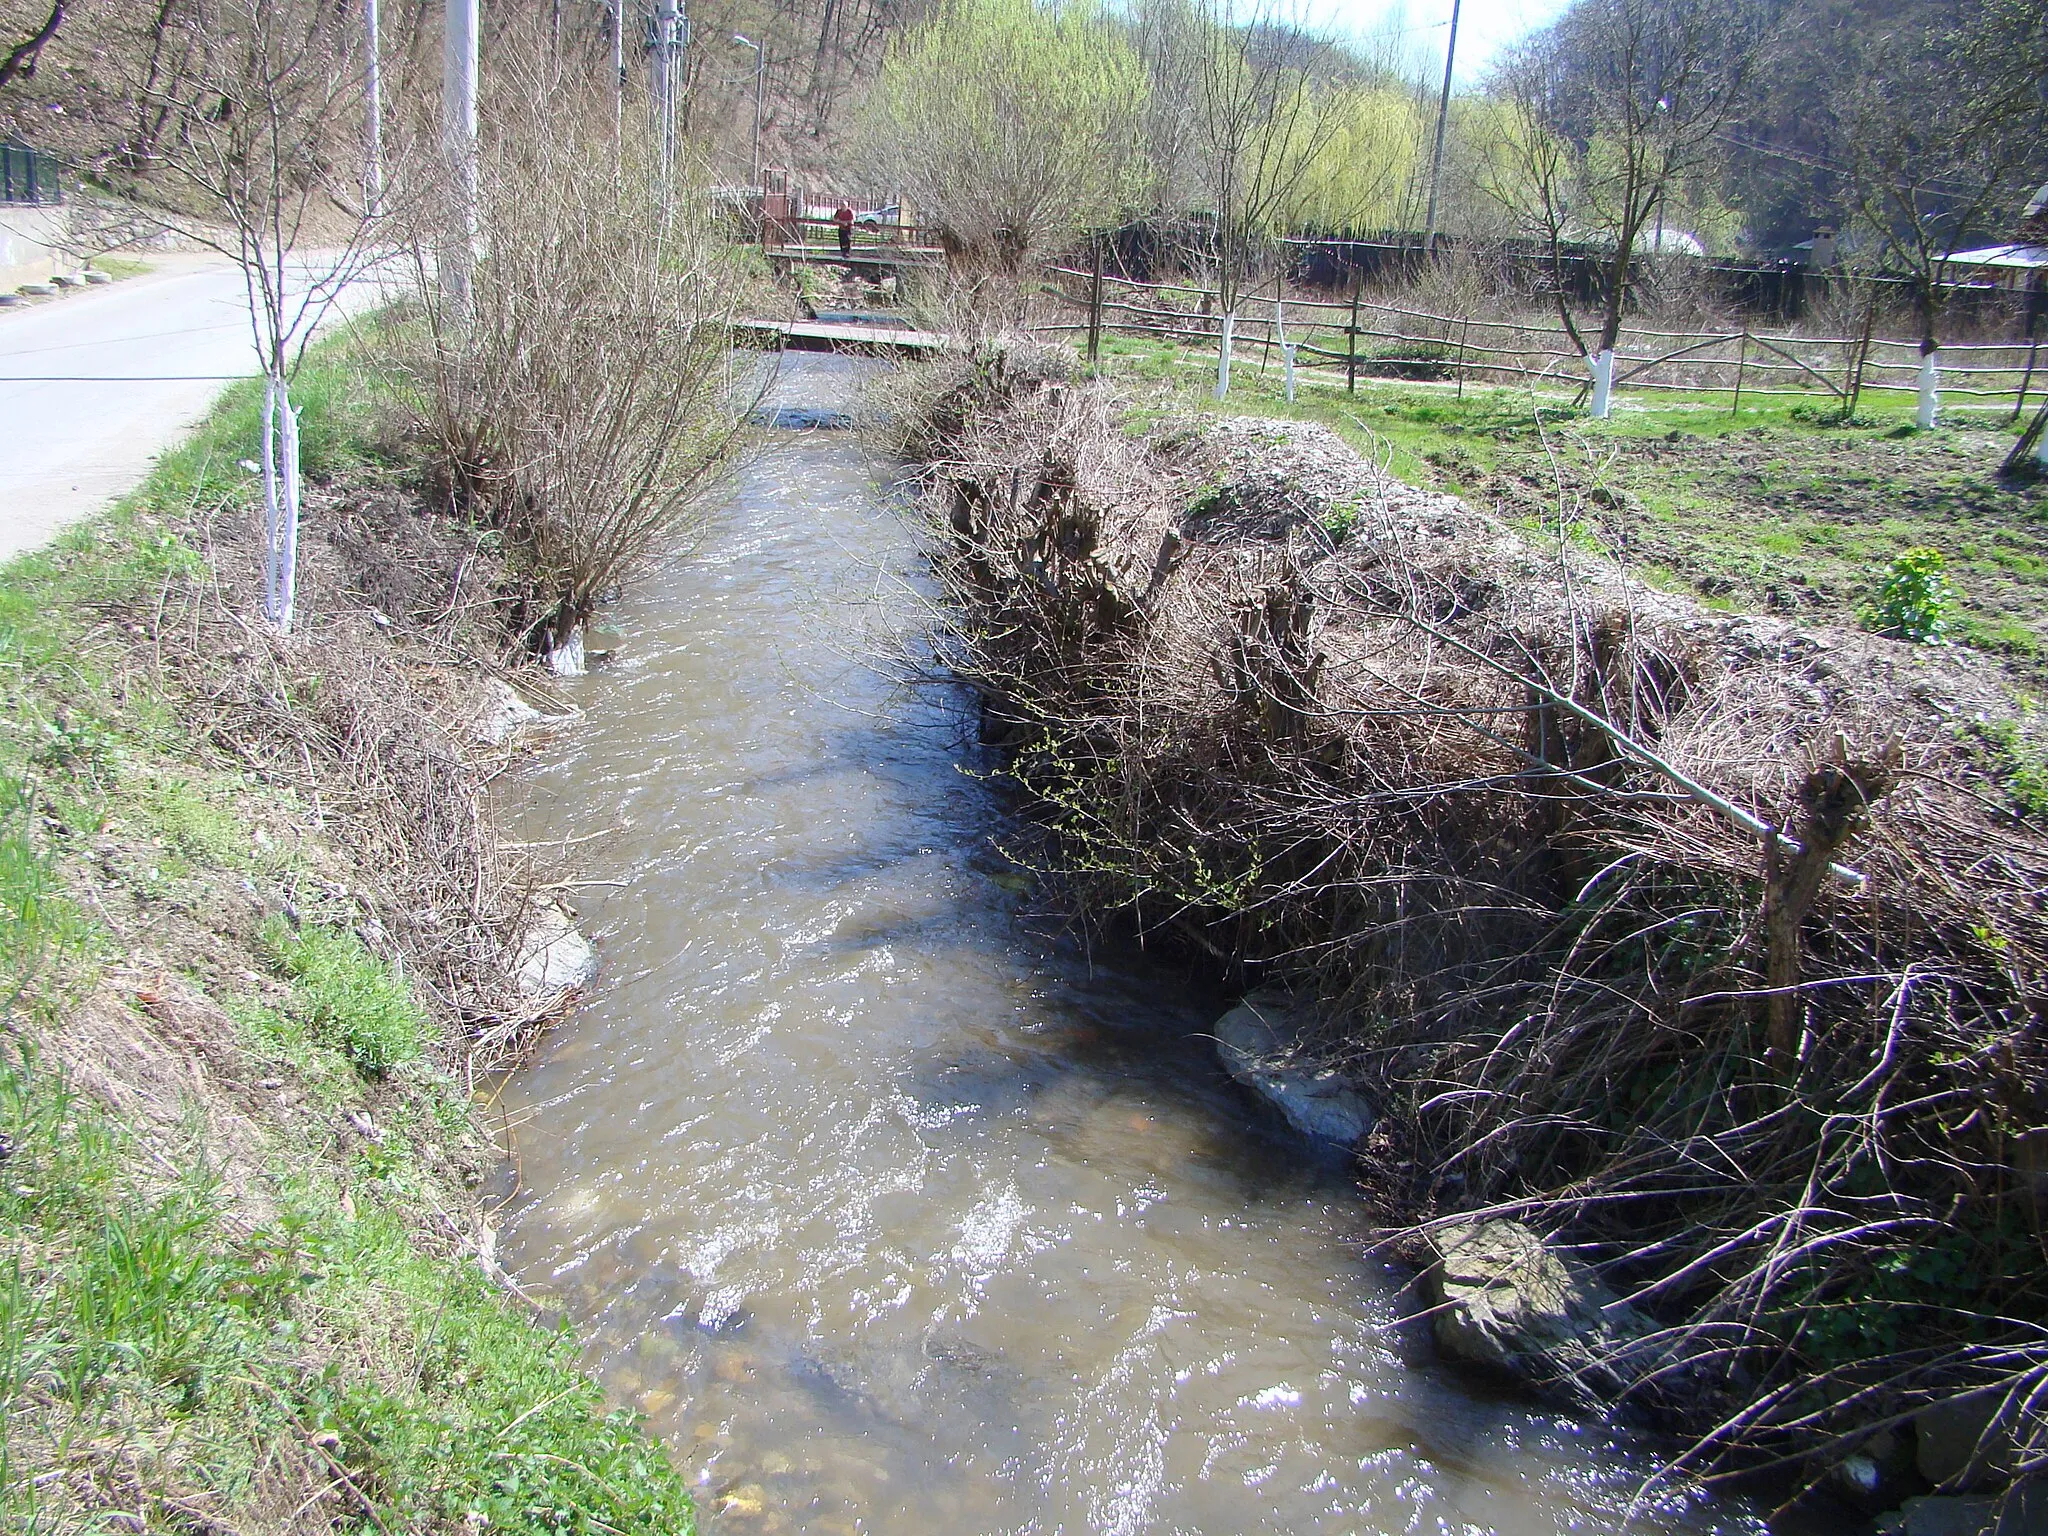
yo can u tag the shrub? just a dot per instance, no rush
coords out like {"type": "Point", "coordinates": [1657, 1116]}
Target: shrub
{"type": "Point", "coordinates": [351, 1000]}
{"type": "Point", "coordinates": [1914, 601]}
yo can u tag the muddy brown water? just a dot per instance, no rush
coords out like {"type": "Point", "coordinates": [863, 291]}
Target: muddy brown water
{"type": "Point", "coordinates": [893, 1213]}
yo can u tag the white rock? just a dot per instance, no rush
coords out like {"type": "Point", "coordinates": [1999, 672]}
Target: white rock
{"type": "Point", "coordinates": [1260, 1046]}
{"type": "Point", "coordinates": [553, 956]}
{"type": "Point", "coordinates": [501, 713]}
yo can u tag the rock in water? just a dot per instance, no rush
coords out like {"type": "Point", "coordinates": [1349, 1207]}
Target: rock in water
{"type": "Point", "coordinates": [553, 957]}
{"type": "Point", "coordinates": [1509, 1302]}
{"type": "Point", "coordinates": [1260, 1043]}
{"type": "Point", "coordinates": [500, 713]}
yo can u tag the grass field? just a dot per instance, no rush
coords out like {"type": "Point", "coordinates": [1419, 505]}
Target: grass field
{"type": "Point", "coordinates": [1768, 508]}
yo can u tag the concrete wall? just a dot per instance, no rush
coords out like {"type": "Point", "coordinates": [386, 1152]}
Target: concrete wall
{"type": "Point", "coordinates": [30, 241]}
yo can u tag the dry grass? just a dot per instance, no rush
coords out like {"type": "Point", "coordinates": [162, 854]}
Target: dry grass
{"type": "Point", "coordinates": [1499, 805]}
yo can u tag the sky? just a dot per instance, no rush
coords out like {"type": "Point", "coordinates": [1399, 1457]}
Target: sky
{"type": "Point", "coordinates": [1485, 27]}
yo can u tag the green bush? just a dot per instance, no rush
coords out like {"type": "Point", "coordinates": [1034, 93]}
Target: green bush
{"type": "Point", "coordinates": [350, 999]}
{"type": "Point", "coordinates": [1914, 601]}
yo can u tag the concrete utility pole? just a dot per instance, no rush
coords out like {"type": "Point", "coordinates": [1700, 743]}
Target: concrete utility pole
{"type": "Point", "coordinates": [1443, 117]}
{"type": "Point", "coordinates": [618, 69]}
{"type": "Point", "coordinates": [373, 116]}
{"type": "Point", "coordinates": [668, 47]}
{"type": "Point", "coordinates": [458, 143]}
{"type": "Point", "coordinates": [748, 42]}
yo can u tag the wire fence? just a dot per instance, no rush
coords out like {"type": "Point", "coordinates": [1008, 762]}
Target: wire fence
{"type": "Point", "coordinates": [29, 176]}
{"type": "Point", "coordinates": [1366, 337]}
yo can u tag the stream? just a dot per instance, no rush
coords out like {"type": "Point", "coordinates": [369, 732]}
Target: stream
{"type": "Point", "coordinates": [893, 1212]}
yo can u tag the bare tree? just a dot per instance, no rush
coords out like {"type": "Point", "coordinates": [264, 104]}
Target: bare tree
{"type": "Point", "coordinates": [588, 394]}
{"type": "Point", "coordinates": [1613, 110]}
{"type": "Point", "coordinates": [1264, 126]}
{"type": "Point", "coordinates": [271, 89]}
{"type": "Point", "coordinates": [1945, 126]}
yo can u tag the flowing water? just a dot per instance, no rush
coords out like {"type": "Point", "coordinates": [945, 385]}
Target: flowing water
{"type": "Point", "coordinates": [894, 1214]}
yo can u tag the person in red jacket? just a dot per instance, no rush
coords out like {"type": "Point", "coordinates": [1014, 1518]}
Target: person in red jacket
{"type": "Point", "coordinates": [844, 219]}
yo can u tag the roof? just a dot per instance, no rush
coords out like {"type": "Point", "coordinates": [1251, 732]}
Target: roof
{"type": "Point", "coordinates": [2019, 257]}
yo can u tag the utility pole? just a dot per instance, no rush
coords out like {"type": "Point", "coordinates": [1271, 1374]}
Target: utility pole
{"type": "Point", "coordinates": [373, 116]}
{"type": "Point", "coordinates": [748, 42]}
{"type": "Point", "coordinates": [1443, 117]}
{"type": "Point", "coordinates": [668, 23]}
{"type": "Point", "coordinates": [458, 144]}
{"type": "Point", "coordinates": [618, 70]}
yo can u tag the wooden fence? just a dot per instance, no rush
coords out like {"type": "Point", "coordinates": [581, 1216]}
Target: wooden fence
{"type": "Point", "coordinates": [1368, 338]}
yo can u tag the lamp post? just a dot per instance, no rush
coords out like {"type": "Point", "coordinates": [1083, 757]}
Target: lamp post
{"type": "Point", "coordinates": [748, 42]}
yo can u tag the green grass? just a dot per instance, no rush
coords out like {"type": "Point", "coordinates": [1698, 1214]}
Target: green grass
{"type": "Point", "coordinates": [144, 1331]}
{"type": "Point", "coordinates": [349, 998]}
{"type": "Point", "coordinates": [193, 1327]}
{"type": "Point", "coordinates": [1775, 507]}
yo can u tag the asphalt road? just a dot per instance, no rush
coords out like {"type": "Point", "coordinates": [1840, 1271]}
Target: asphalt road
{"type": "Point", "coordinates": [94, 385]}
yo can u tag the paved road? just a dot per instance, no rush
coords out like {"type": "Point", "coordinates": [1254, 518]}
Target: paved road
{"type": "Point", "coordinates": [95, 385]}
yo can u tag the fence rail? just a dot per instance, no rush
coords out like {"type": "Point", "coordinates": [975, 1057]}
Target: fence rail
{"type": "Point", "coordinates": [1369, 338]}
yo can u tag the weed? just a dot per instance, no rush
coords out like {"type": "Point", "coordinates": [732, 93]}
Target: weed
{"type": "Point", "coordinates": [1914, 602]}
{"type": "Point", "coordinates": [350, 998]}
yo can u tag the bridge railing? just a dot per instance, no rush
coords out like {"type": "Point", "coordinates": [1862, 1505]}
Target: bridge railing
{"type": "Point", "coordinates": [823, 235]}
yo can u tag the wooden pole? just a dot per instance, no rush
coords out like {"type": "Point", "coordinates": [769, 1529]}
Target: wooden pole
{"type": "Point", "coordinates": [1741, 362]}
{"type": "Point", "coordinates": [1351, 344]}
{"type": "Point", "coordinates": [1862, 357]}
{"type": "Point", "coordinates": [1464, 330]}
{"type": "Point", "coordinates": [1095, 303]}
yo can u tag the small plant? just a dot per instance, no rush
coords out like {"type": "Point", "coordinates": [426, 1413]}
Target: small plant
{"type": "Point", "coordinates": [1914, 602]}
{"type": "Point", "coordinates": [351, 999]}
{"type": "Point", "coordinates": [1341, 518]}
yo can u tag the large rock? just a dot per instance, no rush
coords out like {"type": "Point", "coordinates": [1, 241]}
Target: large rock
{"type": "Point", "coordinates": [1509, 1302]}
{"type": "Point", "coordinates": [553, 956]}
{"type": "Point", "coordinates": [1260, 1043]}
{"type": "Point", "coordinates": [1967, 1442]}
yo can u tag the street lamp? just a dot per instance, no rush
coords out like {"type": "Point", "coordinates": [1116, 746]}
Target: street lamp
{"type": "Point", "coordinates": [748, 42]}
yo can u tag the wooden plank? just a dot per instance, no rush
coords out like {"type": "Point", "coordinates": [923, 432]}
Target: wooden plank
{"type": "Point", "coordinates": [820, 336]}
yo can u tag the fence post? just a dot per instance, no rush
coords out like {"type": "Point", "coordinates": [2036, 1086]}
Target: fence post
{"type": "Point", "coordinates": [1351, 345]}
{"type": "Point", "coordinates": [1741, 362]}
{"type": "Point", "coordinates": [1095, 304]}
{"type": "Point", "coordinates": [1464, 330]}
{"type": "Point", "coordinates": [1862, 356]}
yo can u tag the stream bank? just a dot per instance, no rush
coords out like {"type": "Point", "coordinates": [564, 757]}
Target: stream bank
{"type": "Point", "coordinates": [1503, 818]}
{"type": "Point", "coordinates": [892, 1205]}
{"type": "Point", "coordinates": [258, 934]}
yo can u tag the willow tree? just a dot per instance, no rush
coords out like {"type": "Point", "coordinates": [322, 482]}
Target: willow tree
{"type": "Point", "coordinates": [1009, 124]}
{"type": "Point", "coordinates": [1363, 173]}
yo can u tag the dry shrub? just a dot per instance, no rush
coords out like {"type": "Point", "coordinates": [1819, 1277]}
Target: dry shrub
{"type": "Point", "coordinates": [1496, 804]}
{"type": "Point", "coordinates": [591, 397]}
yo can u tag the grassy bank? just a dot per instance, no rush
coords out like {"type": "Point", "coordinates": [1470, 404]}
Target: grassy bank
{"type": "Point", "coordinates": [253, 927]}
{"type": "Point", "coordinates": [1767, 508]}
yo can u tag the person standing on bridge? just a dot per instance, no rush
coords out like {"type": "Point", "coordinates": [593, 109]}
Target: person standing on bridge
{"type": "Point", "coordinates": [844, 219]}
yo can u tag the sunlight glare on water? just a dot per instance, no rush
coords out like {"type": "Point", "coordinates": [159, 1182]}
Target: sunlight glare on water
{"type": "Point", "coordinates": [893, 1214]}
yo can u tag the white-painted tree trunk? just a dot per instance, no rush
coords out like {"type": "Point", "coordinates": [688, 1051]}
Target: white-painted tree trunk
{"type": "Point", "coordinates": [280, 504]}
{"type": "Point", "coordinates": [1603, 385]}
{"type": "Point", "coordinates": [458, 143]}
{"type": "Point", "coordinates": [1929, 406]}
{"type": "Point", "coordinates": [1223, 355]}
